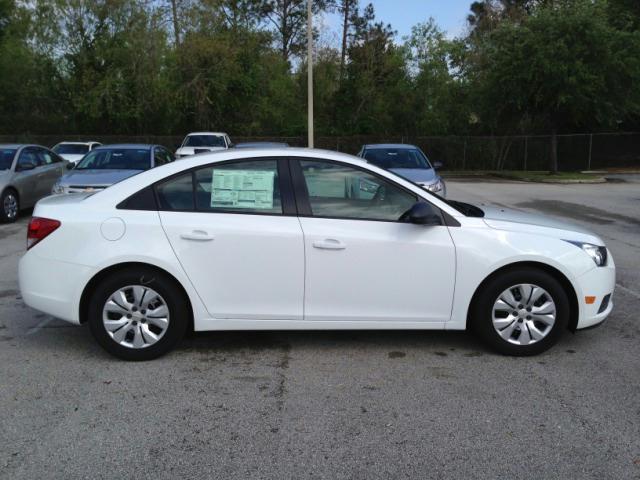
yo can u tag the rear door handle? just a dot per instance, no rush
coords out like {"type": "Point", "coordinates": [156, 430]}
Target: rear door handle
{"type": "Point", "coordinates": [329, 244]}
{"type": "Point", "coordinates": [197, 236]}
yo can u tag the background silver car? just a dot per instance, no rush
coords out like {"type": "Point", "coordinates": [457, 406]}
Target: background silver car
{"type": "Point", "coordinates": [103, 166]}
{"type": "Point", "coordinates": [27, 173]}
{"type": "Point", "coordinates": [407, 161]}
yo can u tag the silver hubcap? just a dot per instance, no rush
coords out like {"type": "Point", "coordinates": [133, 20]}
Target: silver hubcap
{"type": "Point", "coordinates": [524, 314]}
{"type": "Point", "coordinates": [135, 316]}
{"type": "Point", "coordinates": [10, 206]}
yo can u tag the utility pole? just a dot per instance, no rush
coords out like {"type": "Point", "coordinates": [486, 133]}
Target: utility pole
{"type": "Point", "coordinates": [310, 71]}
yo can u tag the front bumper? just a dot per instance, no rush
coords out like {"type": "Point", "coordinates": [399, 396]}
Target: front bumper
{"type": "Point", "coordinates": [599, 282]}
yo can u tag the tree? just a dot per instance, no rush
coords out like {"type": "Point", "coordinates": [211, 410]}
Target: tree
{"type": "Point", "coordinates": [289, 18]}
{"type": "Point", "coordinates": [564, 67]}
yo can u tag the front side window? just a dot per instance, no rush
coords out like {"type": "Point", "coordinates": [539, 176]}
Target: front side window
{"type": "Point", "coordinates": [239, 187]}
{"type": "Point", "coordinates": [27, 157]}
{"type": "Point", "coordinates": [400, 158]}
{"type": "Point", "coordinates": [341, 191]}
{"type": "Point", "coordinates": [46, 158]}
{"type": "Point", "coordinates": [116, 159]}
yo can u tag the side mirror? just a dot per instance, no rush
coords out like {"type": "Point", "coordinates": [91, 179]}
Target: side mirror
{"type": "Point", "coordinates": [71, 165]}
{"type": "Point", "coordinates": [438, 165]}
{"type": "Point", "coordinates": [422, 213]}
{"type": "Point", "coordinates": [26, 166]}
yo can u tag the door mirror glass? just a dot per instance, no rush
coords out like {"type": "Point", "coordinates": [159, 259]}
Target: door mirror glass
{"type": "Point", "coordinates": [437, 165]}
{"type": "Point", "coordinates": [422, 213]}
{"type": "Point", "coordinates": [70, 165]}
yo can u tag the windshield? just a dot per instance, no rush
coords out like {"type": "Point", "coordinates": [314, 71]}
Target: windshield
{"type": "Point", "coordinates": [390, 158]}
{"type": "Point", "coordinates": [116, 159]}
{"type": "Point", "coordinates": [204, 141]}
{"type": "Point", "coordinates": [70, 149]}
{"type": "Point", "coordinates": [6, 158]}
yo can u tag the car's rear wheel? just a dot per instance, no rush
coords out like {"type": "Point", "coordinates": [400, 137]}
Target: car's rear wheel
{"type": "Point", "coordinates": [521, 312]}
{"type": "Point", "coordinates": [9, 206]}
{"type": "Point", "coordinates": [138, 314]}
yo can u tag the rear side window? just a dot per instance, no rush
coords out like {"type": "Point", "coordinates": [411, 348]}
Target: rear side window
{"type": "Point", "coordinates": [177, 193]}
{"type": "Point", "coordinates": [239, 187]}
{"type": "Point", "coordinates": [243, 187]}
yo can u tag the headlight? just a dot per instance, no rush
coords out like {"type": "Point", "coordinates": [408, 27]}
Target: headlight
{"type": "Point", "coordinates": [57, 188]}
{"type": "Point", "coordinates": [598, 254]}
{"type": "Point", "coordinates": [435, 187]}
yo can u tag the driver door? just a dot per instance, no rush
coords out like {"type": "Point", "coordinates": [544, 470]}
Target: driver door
{"type": "Point", "coordinates": [361, 263]}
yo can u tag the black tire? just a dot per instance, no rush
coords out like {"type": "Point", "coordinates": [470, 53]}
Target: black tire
{"type": "Point", "coordinates": [482, 310]}
{"type": "Point", "coordinates": [172, 294]}
{"type": "Point", "coordinates": [6, 216]}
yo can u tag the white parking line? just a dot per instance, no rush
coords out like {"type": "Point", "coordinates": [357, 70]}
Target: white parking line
{"type": "Point", "coordinates": [40, 326]}
{"type": "Point", "coordinates": [633, 293]}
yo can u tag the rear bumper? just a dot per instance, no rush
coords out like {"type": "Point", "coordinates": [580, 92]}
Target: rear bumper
{"type": "Point", "coordinates": [599, 283]}
{"type": "Point", "coordinates": [52, 286]}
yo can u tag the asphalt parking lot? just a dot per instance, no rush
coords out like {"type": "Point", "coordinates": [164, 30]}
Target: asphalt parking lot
{"type": "Point", "coordinates": [334, 405]}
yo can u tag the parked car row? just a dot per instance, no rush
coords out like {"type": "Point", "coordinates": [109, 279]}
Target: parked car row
{"type": "Point", "coordinates": [31, 172]}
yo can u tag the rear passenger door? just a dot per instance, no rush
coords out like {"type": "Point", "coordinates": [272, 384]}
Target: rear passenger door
{"type": "Point", "coordinates": [234, 229]}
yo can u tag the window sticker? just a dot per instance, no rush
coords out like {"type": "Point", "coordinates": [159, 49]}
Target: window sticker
{"type": "Point", "coordinates": [246, 189]}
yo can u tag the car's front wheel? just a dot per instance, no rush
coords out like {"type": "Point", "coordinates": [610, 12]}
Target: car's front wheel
{"type": "Point", "coordinates": [521, 312]}
{"type": "Point", "coordinates": [138, 314]}
{"type": "Point", "coordinates": [9, 206]}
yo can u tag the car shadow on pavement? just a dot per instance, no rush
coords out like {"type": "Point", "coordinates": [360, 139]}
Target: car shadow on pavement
{"type": "Point", "coordinates": [330, 340]}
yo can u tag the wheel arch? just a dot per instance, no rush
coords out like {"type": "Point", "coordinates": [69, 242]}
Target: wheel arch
{"type": "Point", "coordinates": [10, 187]}
{"type": "Point", "coordinates": [554, 272]}
{"type": "Point", "coordinates": [95, 280]}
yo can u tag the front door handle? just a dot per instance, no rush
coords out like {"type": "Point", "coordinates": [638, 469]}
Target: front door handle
{"type": "Point", "coordinates": [197, 236]}
{"type": "Point", "coordinates": [329, 244]}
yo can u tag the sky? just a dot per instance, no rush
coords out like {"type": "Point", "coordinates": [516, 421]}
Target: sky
{"type": "Point", "coordinates": [450, 15]}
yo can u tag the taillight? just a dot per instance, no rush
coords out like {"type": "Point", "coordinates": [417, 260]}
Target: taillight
{"type": "Point", "coordinates": [40, 228]}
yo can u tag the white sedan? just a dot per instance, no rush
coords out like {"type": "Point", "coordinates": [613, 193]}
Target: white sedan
{"type": "Point", "coordinates": [294, 239]}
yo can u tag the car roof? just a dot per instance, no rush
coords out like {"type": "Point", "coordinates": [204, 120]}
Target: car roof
{"type": "Point", "coordinates": [128, 146]}
{"type": "Point", "coordinates": [78, 143]}
{"type": "Point", "coordinates": [219, 134]}
{"type": "Point", "coordinates": [397, 146]}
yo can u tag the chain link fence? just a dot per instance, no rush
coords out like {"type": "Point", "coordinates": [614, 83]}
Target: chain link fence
{"type": "Point", "coordinates": [576, 152]}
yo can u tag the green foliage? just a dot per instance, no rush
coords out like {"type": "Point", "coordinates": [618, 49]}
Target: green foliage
{"type": "Point", "coordinates": [169, 66]}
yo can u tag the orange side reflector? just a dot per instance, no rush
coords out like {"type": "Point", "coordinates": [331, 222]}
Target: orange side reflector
{"type": "Point", "coordinates": [589, 300]}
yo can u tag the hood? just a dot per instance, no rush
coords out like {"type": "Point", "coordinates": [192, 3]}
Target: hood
{"type": "Point", "coordinates": [95, 178]}
{"type": "Point", "coordinates": [518, 221]}
{"type": "Point", "coordinates": [72, 157]}
{"type": "Point", "coordinates": [417, 175]}
{"type": "Point", "coordinates": [196, 150]}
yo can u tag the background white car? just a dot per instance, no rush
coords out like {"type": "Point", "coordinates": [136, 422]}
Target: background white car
{"type": "Point", "coordinates": [292, 239]}
{"type": "Point", "coordinates": [73, 152]}
{"type": "Point", "coordinates": [203, 142]}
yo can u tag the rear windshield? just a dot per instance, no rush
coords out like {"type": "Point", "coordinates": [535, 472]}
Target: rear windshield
{"type": "Point", "coordinates": [6, 158]}
{"type": "Point", "coordinates": [70, 149]}
{"type": "Point", "coordinates": [390, 158]}
{"type": "Point", "coordinates": [204, 141]}
{"type": "Point", "coordinates": [116, 159]}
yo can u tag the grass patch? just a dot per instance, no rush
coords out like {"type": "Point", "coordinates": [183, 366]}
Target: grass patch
{"type": "Point", "coordinates": [530, 176]}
